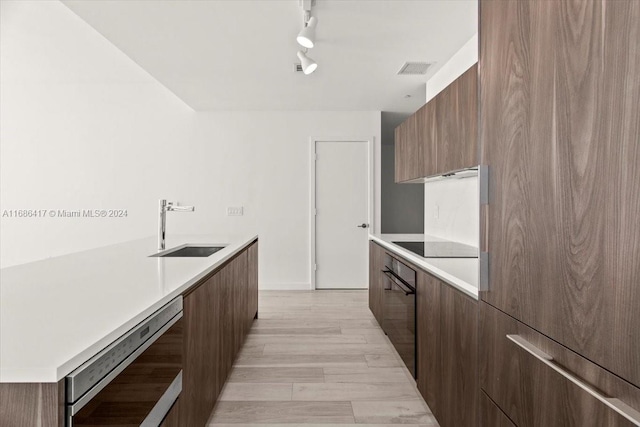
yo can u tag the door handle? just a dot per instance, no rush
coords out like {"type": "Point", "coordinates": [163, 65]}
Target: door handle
{"type": "Point", "coordinates": [615, 404]}
{"type": "Point", "coordinates": [363, 225]}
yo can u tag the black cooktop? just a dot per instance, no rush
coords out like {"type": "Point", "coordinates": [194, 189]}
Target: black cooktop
{"type": "Point", "coordinates": [440, 249]}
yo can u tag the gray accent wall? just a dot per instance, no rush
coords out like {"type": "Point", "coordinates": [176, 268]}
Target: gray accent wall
{"type": "Point", "coordinates": [402, 205]}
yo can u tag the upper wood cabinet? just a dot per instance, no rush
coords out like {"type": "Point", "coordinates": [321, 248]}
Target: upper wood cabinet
{"type": "Point", "coordinates": [409, 162]}
{"type": "Point", "coordinates": [456, 124]}
{"type": "Point", "coordinates": [560, 133]}
{"type": "Point", "coordinates": [442, 135]}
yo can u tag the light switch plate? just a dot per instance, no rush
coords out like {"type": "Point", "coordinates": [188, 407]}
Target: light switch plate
{"type": "Point", "coordinates": [235, 211]}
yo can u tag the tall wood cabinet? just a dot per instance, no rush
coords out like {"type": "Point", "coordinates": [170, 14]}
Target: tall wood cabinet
{"type": "Point", "coordinates": [560, 133]}
{"type": "Point", "coordinates": [442, 135]}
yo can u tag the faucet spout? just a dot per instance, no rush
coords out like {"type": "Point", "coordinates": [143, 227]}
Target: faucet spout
{"type": "Point", "coordinates": [165, 206]}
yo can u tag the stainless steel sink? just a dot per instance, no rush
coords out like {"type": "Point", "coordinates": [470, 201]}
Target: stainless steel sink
{"type": "Point", "coordinates": [190, 251]}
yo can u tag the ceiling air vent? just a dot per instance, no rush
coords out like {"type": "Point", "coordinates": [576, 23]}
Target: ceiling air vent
{"type": "Point", "coordinates": [297, 68]}
{"type": "Point", "coordinates": [414, 68]}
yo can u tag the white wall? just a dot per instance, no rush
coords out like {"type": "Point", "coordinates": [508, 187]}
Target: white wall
{"type": "Point", "coordinates": [260, 160]}
{"type": "Point", "coordinates": [460, 62]}
{"type": "Point", "coordinates": [83, 127]}
{"type": "Point", "coordinates": [455, 200]}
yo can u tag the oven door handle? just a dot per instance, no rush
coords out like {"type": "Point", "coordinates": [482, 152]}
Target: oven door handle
{"type": "Point", "coordinates": [402, 284]}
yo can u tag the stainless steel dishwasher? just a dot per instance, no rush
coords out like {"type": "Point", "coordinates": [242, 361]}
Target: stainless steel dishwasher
{"type": "Point", "coordinates": [135, 380]}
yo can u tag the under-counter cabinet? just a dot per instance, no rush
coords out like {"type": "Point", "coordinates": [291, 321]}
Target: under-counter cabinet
{"type": "Point", "coordinates": [446, 342]}
{"type": "Point", "coordinates": [559, 131]}
{"type": "Point", "coordinates": [442, 135]}
{"type": "Point", "coordinates": [376, 280]}
{"type": "Point", "coordinates": [217, 318]}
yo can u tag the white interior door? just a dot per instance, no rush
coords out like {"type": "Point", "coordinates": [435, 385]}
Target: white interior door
{"type": "Point", "coordinates": [342, 207]}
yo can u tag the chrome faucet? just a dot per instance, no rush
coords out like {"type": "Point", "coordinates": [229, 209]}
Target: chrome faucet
{"type": "Point", "coordinates": [164, 207]}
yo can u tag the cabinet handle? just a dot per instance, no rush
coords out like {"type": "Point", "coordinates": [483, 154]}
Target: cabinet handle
{"type": "Point", "coordinates": [616, 404]}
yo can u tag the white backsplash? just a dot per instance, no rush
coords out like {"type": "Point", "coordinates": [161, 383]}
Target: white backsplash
{"type": "Point", "coordinates": [451, 210]}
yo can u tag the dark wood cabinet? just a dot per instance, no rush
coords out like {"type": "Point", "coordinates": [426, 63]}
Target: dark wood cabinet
{"type": "Point", "coordinates": [428, 363]}
{"type": "Point", "coordinates": [457, 124]}
{"type": "Point", "coordinates": [376, 280]}
{"type": "Point", "coordinates": [173, 417]}
{"type": "Point", "coordinates": [442, 136]}
{"type": "Point", "coordinates": [459, 359]}
{"type": "Point", "coordinates": [447, 351]}
{"type": "Point", "coordinates": [200, 375]}
{"type": "Point", "coordinates": [560, 133]}
{"type": "Point", "coordinates": [409, 151]}
{"type": "Point", "coordinates": [252, 284]}
{"type": "Point", "coordinates": [491, 415]}
{"type": "Point", "coordinates": [536, 382]}
{"type": "Point", "coordinates": [215, 314]}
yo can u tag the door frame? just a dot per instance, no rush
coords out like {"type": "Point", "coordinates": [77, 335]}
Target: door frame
{"type": "Point", "coordinates": [313, 142]}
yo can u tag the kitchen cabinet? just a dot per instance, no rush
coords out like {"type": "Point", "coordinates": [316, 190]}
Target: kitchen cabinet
{"type": "Point", "coordinates": [560, 126]}
{"type": "Point", "coordinates": [542, 383]}
{"type": "Point", "coordinates": [376, 280]}
{"type": "Point", "coordinates": [215, 314]}
{"type": "Point", "coordinates": [456, 124]}
{"type": "Point", "coordinates": [441, 136]}
{"type": "Point", "coordinates": [428, 340]}
{"type": "Point", "coordinates": [252, 279]}
{"type": "Point", "coordinates": [458, 400]}
{"type": "Point", "coordinates": [491, 415]}
{"type": "Point", "coordinates": [447, 347]}
{"type": "Point", "coordinates": [173, 417]}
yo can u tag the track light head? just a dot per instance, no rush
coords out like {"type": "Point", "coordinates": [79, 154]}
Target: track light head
{"type": "Point", "coordinates": [307, 36]}
{"type": "Point", "coordinates": [308, 64]}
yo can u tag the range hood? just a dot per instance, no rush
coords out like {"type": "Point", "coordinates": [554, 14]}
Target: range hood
{"type": "Point", "coordinates": [457, 174]}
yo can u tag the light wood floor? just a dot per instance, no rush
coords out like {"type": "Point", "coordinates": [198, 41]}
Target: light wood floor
{"type": "Point", "coordinates": [316, 358]}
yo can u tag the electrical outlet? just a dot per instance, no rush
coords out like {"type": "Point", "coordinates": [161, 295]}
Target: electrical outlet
{"type": "Point", "coordinates": [235, 211]}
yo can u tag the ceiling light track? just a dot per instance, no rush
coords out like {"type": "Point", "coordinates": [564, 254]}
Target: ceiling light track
{"type": "Point", "coordinates": [307, 37]}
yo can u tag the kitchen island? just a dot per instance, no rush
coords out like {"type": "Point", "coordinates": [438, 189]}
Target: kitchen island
{"type": "Point", "coordinates": [57, 313]}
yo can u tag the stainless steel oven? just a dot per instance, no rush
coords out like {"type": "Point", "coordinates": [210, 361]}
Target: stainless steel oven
{"type": "Point", "coordinates": [399, 318]}
{"type": "Point", "coordinates": [135, 380]}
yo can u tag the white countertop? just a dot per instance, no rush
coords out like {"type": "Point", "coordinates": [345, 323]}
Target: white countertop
{"type": "Point", "coordinates": [57, 313]}
{"type": "Point", "coordinates": [461, 273]}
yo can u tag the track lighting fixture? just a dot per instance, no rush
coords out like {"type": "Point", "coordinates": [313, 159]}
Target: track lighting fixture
{"type": "Point", "coordinates": [308, 64]}
{"type": "Point", "coordinates": [307, 36]}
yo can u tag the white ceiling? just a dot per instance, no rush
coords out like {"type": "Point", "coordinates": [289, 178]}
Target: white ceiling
{"type": "Point", "coordinates": [239, 54]}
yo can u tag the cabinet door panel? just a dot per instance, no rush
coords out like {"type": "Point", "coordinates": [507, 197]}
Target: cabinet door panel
{"type": "Point", "coordinates": [428, 340]}
{"type": "Point", "coordinates": [532, 393]}
{"type": "Point", "coordinates": [239, 280]}
{"type": "Point", "coordinates": [376, 280]}
{"type": "Point", "coordinates": [427, 136]}
{"type": "Point", "coordinates": [459, 357]}
{"type": "Point", "coordinates": [561, 138]}
{"type": "Point", "coordinates": [457, 123]}
{"type": "Point", "coordinates": [491, 415]}
{"type": "Point", "coordinates": [200, 381]}
{"type": "Point", "coordinates": [409, 151]}
{"type": "Point", "coordinates": [252, 302]}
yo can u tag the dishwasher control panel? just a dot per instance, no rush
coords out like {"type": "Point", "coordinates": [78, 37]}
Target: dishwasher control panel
{"type": "Point", "coordinates": [85, 377]}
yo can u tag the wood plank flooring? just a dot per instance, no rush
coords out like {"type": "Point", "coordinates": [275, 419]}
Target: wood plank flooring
{"type": "Point", "coordinates": [318, 358]}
